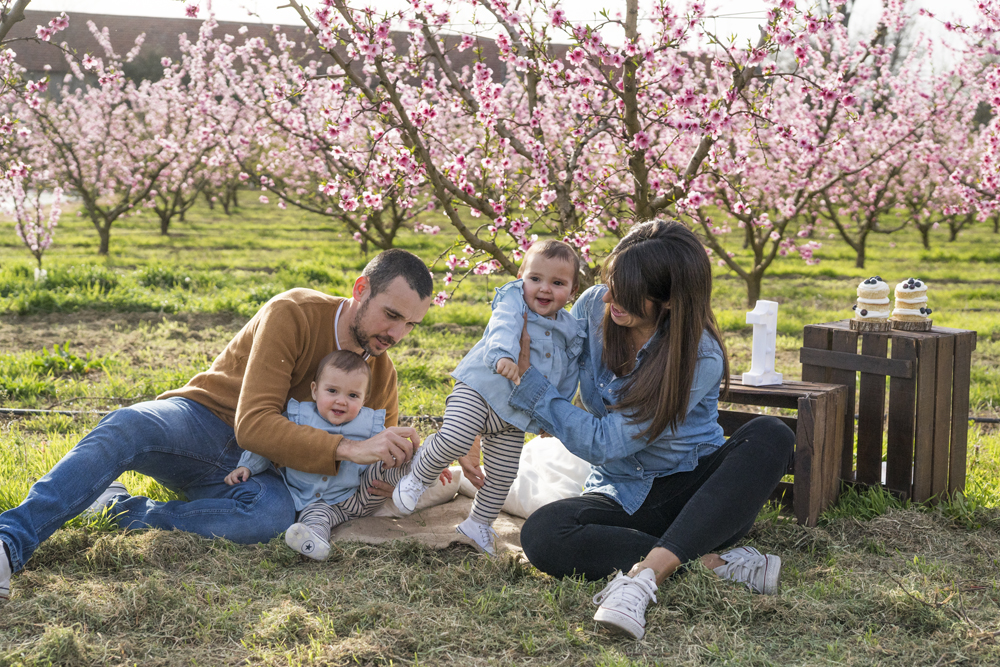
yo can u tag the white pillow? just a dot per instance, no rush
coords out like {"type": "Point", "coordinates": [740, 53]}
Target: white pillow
{"type": "Point", "coordinates": [547, 472]}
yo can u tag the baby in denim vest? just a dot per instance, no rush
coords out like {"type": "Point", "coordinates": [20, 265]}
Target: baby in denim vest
{"type": "Point", "coordinates": [325, 501]}
{"type": "Point", "coordinates": [477, 406]}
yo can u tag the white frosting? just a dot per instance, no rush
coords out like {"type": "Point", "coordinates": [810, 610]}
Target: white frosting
{"type": "Point", "coordinates": [878, 285]}
{"type": "Point", "coordinates": [876, 302]}
{"type": "Point", "coordinates": [908, 311]}
{"type": "Point", "coordinates": [871, 315]}
{"type": "Point", "coordinates": [922, 299]}
{"type": "Point", "coordinates": [903, 288]}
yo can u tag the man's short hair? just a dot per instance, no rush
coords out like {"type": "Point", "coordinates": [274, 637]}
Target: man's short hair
{"type": "Point", "coordinates": [346, 361]}
{"type": "Point", "coordinates": [394, 262]}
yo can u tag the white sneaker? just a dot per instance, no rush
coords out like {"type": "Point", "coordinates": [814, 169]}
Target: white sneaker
{"type": "Point", "coordinates": [623, 603]}
{"type": "Point", "coordinates": [482, 535]}
{"type": "Point", "coordinates": [748, 566]}
{"type": "Point", "coordinates": [408, 491]}
{"type": "Point", "coordinates": [4, 573]}
{"type": "Point", "coordinates": [301, 538]}
{"type": "Point", "coordinates": [105, 500]}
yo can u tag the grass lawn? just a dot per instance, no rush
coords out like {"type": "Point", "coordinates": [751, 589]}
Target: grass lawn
{"type": "Point", "coordinates": [878, 582]}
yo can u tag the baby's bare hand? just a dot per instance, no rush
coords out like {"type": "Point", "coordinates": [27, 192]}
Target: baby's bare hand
{"type": "Point", "coordinates": [508, 368]}
{"type": "Point", "coordinates": [241, 474]}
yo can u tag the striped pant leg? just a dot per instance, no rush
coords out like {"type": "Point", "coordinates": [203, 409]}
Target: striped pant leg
{"type": "Point", "coordinates": [502, 444]}
{"type": "Point", "coordinates": [363, 502]}
{"type": "Point", "coordinates": [465, 416]}
{"type": "Point", "coordinates": [321, 518]}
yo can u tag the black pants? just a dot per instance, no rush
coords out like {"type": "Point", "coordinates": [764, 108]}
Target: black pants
{"type": "Point", "coordinates": [690, 513]}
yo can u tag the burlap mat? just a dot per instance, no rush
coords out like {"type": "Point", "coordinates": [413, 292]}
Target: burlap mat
{"type": "Point", "coordinates": [434, 526]}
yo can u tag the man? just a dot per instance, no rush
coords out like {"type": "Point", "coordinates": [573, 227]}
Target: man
{"type": "Point", "coordinates": [187, 438]}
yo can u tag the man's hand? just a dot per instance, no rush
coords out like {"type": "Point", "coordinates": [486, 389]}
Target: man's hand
{"type": "Point", "coordinates": [471, 468]}
{"type": "Point", "coordinates": [241, 474]}
{"type": "Point", "coordinates": [393, 447]}
{"type": "Point", "coordinates": [507, 368]}
{"type": "Point", "coordinates": [524, 357]}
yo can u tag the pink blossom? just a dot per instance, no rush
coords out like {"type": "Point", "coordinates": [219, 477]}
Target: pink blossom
{"type": "Point", "coordinates": [191, 11]}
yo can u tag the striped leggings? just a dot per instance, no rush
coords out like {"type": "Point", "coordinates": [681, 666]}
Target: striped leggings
{"type": "Point", "coordinates": [467, 415]}
{"type": "Point", "coordinates": [323, 518]}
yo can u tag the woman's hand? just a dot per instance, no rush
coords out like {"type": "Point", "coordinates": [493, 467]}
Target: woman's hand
{"type": "Point", "coordinates": [471, 468]}
{"type": "Point", "coordinates": [524, 357]}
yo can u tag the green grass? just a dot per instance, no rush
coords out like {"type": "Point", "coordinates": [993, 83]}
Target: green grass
{"type": "Point", "coordinates": [878, 582]}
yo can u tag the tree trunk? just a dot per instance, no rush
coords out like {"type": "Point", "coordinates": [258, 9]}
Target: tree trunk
{"type": "Point", "coordinates": [753, 281]}
{"type": "Point", "coordinates": [859, 259]}
{"type": "Point", "coordinates": [164, 223]}
{"type": "Point", "coordinates": [105, 233]}
{"type": "Point", "coordinates": [925, 236]}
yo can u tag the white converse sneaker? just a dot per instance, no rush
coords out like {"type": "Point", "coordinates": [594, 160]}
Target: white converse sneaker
{"type": "Point", "coordinates": [748, 566]}
{"type": "Point", "coordinates": [623, 603]}
{"type": "Point", "coordinates": [408, 491]}
{"type": "Point", "coordinates": [482, 535]}
{"type": "Point", "coordinates": [4, 574]}
{"type": "Point", "coordinates": [301, 538]}
{"type": "Point", "coordinates": [104, 500]}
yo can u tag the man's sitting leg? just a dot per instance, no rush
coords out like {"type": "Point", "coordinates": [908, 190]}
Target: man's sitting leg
{"type": "Point", "coordinates": [179, 443]}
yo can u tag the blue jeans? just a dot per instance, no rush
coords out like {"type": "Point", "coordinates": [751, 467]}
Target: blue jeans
{"type": "Point", "coordinates": [181, 445]}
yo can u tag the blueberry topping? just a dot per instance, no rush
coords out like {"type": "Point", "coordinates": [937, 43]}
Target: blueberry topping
{"type": "Point", "coordinates": [918, 283]}
{"type": "Point", "coordinates": [923, 310]}
{"type": "Point", "coordinates": [878, 278]}
{"type": "Point", "coordinates": [855, 307]}
{"type": "Point", "coordinates": [929, 311]}
{"type": "Point", "coordinates": [864, 312]}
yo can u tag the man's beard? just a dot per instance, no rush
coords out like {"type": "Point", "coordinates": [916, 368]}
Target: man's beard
{"type": "Point", "coordinates": [362, 339]}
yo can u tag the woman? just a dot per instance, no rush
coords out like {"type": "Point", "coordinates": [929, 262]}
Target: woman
{"type": "Point", "coordinates": [665, 488]}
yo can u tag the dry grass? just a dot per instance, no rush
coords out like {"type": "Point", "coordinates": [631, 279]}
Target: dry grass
{"type": "Point", "coordinates": [909, 587]}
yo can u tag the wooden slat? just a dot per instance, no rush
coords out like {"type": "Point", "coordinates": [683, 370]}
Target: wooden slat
{"type": "Point", "coordinates": [965, 343]}
{"type": "Point", "coordinates": [815, 337]}
{"type": "Point", "coordinates": [846, 341]}
{"type": "Point", "coordinates": [899, 441]}
{"type": "Point", "coordinates": [833, 442]}
{"type": "Point", "coordinates": [942, 415]}
{"type": "Point", "coordinates": [923, 451]}
{"type": "Point", "coordinates": [858, 362]}
{"type": "Point", "coordinates": [871, 414]}
{"type": "Point", "coordinates": [807, 487]}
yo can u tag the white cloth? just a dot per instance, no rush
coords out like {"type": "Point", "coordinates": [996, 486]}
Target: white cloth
{"type": "Point", "coordinates": [548, 472]}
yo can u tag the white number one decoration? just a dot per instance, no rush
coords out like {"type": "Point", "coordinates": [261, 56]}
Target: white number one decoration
{"type": "Point", "coordinates": [764, 318]}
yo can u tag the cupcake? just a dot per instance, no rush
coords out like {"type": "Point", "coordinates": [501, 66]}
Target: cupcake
{"type": "Point", "coordinates": [873, 300]}
{"type": "Point", "coordinates": [911, 301]}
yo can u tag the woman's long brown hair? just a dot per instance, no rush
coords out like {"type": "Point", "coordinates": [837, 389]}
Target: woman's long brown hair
{"type": "Point", "coordinates": [662, 261]}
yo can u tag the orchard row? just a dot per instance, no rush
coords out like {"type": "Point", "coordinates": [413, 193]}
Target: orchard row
{"type": "Point", "coordinates": [817, 130]}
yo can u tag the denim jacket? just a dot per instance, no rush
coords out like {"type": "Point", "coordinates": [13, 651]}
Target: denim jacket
{"type": "Point", "coordinates": [308, 487]}
{"type": "Point", "coordinates": [624, 465]}
{"type": "Point", "coordinates": [556, 345]}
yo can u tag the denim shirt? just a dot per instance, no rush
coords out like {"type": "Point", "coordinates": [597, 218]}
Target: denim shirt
{"type": "Point", "coordinates": [308, 487]}
{"type": "Point", "coordinates": [623, 464]}
{"type": "Point", "coordinates": [556, 345]}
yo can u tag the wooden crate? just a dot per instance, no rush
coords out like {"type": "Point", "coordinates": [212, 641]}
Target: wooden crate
{"type": "Point", "coordinates": [818, 427]}
{"type": "Point", "coordinates": [925, 417]}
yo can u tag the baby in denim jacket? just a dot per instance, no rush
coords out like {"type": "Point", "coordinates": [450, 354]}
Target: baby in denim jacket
{"type": "Point", "coordinates": [547, 281]}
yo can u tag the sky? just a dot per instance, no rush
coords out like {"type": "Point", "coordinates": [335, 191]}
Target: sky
{"type": "Point", "coordinates": [739, 17]}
